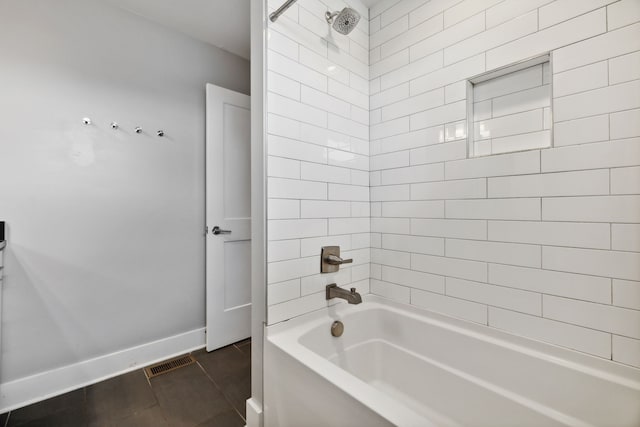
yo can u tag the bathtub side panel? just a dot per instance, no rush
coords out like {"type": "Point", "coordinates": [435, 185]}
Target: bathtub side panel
{"type": "Point", "coordinates": [296, 396]}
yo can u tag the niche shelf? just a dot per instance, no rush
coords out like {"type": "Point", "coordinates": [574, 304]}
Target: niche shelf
{"type": "Point", "coordinates": [509, 109]}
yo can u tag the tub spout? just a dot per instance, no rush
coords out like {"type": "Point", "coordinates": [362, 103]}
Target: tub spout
{"type": "Point", "coordinates": [352, 297]}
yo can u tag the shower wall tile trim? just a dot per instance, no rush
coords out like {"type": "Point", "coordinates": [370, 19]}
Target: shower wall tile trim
{"type": "Point", "coordinates": [542, 243]}
{"type": "Point", "coordinates": [369, 153]}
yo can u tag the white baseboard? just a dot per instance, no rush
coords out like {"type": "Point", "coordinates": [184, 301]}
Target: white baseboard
{"type": "Point", "coordinates": [254, 414]}
{"type": "Point", "coordinates": [24, 391]}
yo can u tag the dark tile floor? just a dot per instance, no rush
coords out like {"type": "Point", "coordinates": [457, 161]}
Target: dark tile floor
{"type": "Point", "coordinates": [209, 393]}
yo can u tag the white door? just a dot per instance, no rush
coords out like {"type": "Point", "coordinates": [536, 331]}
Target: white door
{"type": "Point", "coordinates": [228, 217]}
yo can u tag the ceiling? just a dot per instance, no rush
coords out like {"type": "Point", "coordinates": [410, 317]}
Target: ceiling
{"type": "Point", "coordinates": [370, 3]}
{"type": "Point", "coordinates": [222, 23]}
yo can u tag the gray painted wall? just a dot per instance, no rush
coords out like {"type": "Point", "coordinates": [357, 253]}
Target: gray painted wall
{"type": "Point", "coordinates": [105, 228]}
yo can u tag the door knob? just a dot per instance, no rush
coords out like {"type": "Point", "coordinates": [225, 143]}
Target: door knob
{"type": "Point", "coordinates": [217, 230]}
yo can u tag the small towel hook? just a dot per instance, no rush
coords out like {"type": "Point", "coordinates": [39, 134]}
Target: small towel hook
{"type": "Point", "coordinates": [86, 120]}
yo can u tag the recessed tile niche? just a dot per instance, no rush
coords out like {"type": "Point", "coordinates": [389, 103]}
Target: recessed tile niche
{"type": "Point", "coordinates": [510, 108]}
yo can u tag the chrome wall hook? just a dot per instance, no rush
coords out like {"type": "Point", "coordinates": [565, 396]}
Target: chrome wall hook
{"type": "Point", "coordinates": [115, 126]}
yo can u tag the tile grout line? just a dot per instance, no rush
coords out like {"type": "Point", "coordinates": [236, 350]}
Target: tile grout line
{"type": "Point", "coordinates": [219, 389]}
{"type": "Point", "coordinates": [226, 398]}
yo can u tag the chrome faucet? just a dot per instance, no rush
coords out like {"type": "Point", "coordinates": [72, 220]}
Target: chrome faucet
{"type": "Point", "coordinates": [352, 297]}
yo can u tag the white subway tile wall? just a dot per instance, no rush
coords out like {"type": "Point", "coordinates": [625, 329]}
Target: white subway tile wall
{"type": "Point", "coordinates": [318, 155]}
{"type": "Point", "coordinates": [542, 243]}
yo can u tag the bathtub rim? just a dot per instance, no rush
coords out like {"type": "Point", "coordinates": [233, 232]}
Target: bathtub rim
{"type": "Point", "coordinates": [286, 336]}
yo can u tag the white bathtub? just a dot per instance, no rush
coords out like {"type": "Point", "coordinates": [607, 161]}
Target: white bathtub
{"type": "Point", "coordinates": [396, 365]}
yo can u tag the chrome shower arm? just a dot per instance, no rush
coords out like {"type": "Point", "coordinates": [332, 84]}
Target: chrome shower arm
{"type": "Point", "coordinates": [330, 15]}
{"type": "Point", "coordinates": [275, 15]}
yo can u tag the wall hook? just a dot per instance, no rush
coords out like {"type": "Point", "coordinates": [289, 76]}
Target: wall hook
{"type": "Point", "coordinates": [86, 120]}
{"type": "Point", "coordinates": [160, 133]}
{"type": "Point", "coordinates": [114, 125]}
{"type": "Point", "coordinates": [138, 129]}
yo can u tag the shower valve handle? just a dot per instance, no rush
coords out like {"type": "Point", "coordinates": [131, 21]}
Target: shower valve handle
{"type": "Point", "coordinates": [336, 260]}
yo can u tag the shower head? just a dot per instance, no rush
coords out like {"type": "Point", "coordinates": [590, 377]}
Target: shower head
{"type": "Point", "coordinates": [344, 21]}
